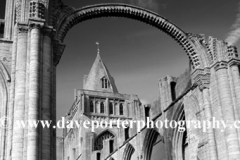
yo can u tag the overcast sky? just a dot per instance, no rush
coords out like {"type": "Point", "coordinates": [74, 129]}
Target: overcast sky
{"type": "Point", "coordinates": [136, 54]}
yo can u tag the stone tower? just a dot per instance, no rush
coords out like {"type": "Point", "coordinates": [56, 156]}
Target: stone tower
{"type": "Point", "coordinates": [99, 101]}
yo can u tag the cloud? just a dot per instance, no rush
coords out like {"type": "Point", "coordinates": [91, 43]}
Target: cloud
{"type": "Point", "coordinates": [234, 35]}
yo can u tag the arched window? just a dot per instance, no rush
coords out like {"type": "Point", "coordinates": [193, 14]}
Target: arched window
{"type": "Point", "coordinates": [98, 144]}
{"type": "Point", "coordinates": [102, 107]}
{"type": "Point", "coordinates": [173, 92]}
{"type": "Point", "coordinates": [147, 111]}
{"type": "Point", "coordinates": [98, 156]}
{"type": "Point", "coordinates": [126, 133]}
{"type": "Point", "coordinates": [110, 108]}
{"type": "Point", "coordinates": [121, 109]}
{"type": "Point", "coordinates": [111, 147]}
{"type": "Point", "coordinates": [91, 106]}
{"type": "Point", "coordinates": [104, 82]}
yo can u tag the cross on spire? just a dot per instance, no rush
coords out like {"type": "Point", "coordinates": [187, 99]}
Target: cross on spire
{"type": "Point", "coordinates": [98, 50]}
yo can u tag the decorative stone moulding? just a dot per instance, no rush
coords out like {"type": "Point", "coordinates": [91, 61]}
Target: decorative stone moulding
{"type": "Point", "coordinates": [58, 49]}
{"type": "Point", "coordinates": [220, 65]}
{"type": "Point", "coordinates": [37, 10]}
{"type": "Point", "coordinates": [201, 77]}
{"type": "Point", "coordinates": [75, 16]}
{"type": "Point", "coordinates": [232, 52]}
{"type": "Point", "coordinates": [233, 62]}
{"type": "Point", "coordinates": [22, 28]}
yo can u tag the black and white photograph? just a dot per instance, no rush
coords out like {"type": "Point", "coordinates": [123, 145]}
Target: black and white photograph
{"type": "Point", "coordinates": [119, 80]}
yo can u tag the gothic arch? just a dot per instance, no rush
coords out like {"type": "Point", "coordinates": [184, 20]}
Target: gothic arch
{"type": "Point", "coordinates": [4, 79]}
{"type": "Point", "coordinates": [98, 143]}
{"type": "Point", "coordinates": [4, 73]}
{"type": "Point", "coordinates": [128, 152]}
{"type": "Point", "coordinates": [178, 138]}
{"type": "Point", "coordinates": [150, 138]}
{"type": "Point", "coordinates": [187, 41]}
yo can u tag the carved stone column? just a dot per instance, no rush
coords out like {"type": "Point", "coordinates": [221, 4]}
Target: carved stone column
{"type": "Point", "coordinates": [202, 78]}
{"type": "Point", "coordinates": [210, 132]}
{"type": "Point", "coordinates": [34, 86]}
{"type": "Point", "coordinates": [19, 105]}
{"type": "Point", "coordinates": [53, 114]}
{"type": "Point", "coordinates": [9, 19]}
{"type": "Point", "coordinates": [12, 94]}
{"type": "Point", "coordinates": [47, 65]}
{"type": "Point", "coordinates": [107, 106]}
{"type": "Point", "coordinates": [234, 66]}
{"type": "Point", "coordinates": [227, 109]}
{"type": "Point", "coordinates": [58, 49]}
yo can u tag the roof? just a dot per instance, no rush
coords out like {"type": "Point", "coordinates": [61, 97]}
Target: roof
{"type": "Point", "coordinates": [97, 72]}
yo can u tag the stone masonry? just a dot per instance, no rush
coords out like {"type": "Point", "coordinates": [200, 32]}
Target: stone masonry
{"type": "Point", "coordinates": [31, 45]}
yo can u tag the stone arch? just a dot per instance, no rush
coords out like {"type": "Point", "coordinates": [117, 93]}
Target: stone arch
{"type": "Point", "coordinates": [128, 152]}
{"type": "Point", "coordinates": [75, 16]}
{"type": "Point", "coordinates": [98, 143]}
{"type": "Point", "coordinates": [4, 79]}
{"type": "Point", "coordinates": [192, 111]}
{"type": "Point", "coordinates": [150, 138]}
{"type": "Point", "coordinates": [178, 138]}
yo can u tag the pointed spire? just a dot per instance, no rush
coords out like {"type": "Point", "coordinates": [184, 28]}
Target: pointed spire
{"type": "Point", "coordinates": [99, 72]}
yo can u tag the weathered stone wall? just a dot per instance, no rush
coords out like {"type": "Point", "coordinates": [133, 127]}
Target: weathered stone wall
{"type": "Point", "coordinates": [183, 82]}
{"type": "Point", "coordinates": [59, 148]}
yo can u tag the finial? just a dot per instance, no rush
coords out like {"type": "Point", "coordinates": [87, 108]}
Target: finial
{"type": "Point", "coordinates": [98, 50]}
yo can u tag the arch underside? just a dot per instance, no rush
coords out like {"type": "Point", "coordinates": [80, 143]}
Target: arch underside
{"type": "Point", "coordinates": [98, 144]}
{"type": "Point", "coordinates": [128, 152]}
{"type": "Point", "coordinates": [76, 16]}
{"type": "Point", "coordinates": [3, 107]}
{"type": "Point", "coordinates": [178, 137]}
{"type": "Point", "coordinates": [151, 138]}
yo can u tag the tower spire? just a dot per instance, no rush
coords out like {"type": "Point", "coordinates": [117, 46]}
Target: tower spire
{"type": "Point", "coordinates": [99, 78]}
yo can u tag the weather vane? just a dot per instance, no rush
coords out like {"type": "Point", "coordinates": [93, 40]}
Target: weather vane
{"type": "Point", "coordinates": [98, 50]}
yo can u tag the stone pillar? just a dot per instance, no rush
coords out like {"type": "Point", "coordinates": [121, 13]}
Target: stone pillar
{"type": "Point", "coordinates": [53, 114]}
{"type": "Point", "coordinates": [202, 79]}
{"type": "Point", "coordinates": [19, 106]}
{"type": "Point", "coordinates": [236, 82]}
{"type": "Point", "coordinates": [89, 143]}
{"type": "Point", "coordinates": [83, 104]}
{"type": "Point", "coordinates": [227, 109]}
{"type": "Point", "coordinates": [46, 93]}
{"type": "Point", "coordinates": [34, 96]}
{"type": "Point", "coordinates": [107, 106]}
{"type": "Point", "coordinates": [9, 19]}
{"type": "Point", "coordinates": [12, 94]}
{"type": "Point", "coordinates": [126, 108]}
{"type": "Point", "coordinates": [26, 99]}
{"type": "Point", "coordinates": [210, 131]}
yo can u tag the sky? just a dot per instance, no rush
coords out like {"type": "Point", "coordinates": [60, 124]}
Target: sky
{"type": "Point", "coordinates": [136, 54]}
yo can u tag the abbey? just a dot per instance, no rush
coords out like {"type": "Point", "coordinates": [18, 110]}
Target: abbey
{"type": "Point", "coordinates": [31, 45]}
{"type": "Point", "coordinates": [100, 101]}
